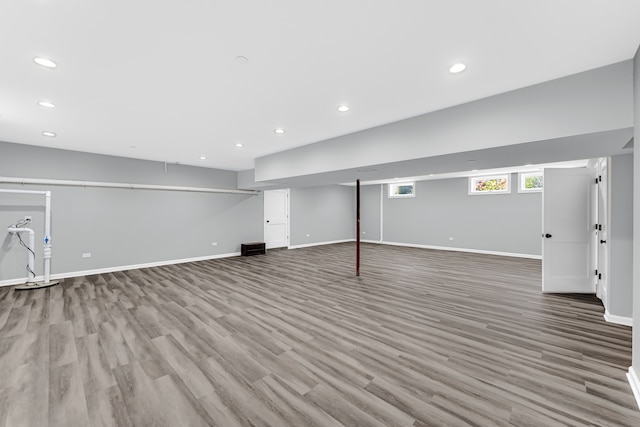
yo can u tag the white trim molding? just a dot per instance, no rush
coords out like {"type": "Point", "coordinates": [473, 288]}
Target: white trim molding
{"type": "Point", "coordinates": [308, 245]}
{"type": "Point", "coordinates": [634, 382]}
{"type": "Point", "coordinates": [22, 280]}
{"type": "Point", "coordinates": [475, 251]}
{"type": "Point", "coordinates": [620, 320]}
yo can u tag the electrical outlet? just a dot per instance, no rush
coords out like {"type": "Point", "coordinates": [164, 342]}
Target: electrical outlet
{"type": "Point", "coordinates": [86, 255]}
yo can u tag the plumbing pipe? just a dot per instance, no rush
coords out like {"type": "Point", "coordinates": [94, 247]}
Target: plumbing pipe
{"type": "Point", "coordinates": [46, 252]}
{"type": "Point", "coordinates": [71, 183]}
{"type": "Point", "coordinates": [31, 278]}
{"type": "Point", "coordinates": [2, 190]}
{"type": "Point", "coordinates": [47, 232]}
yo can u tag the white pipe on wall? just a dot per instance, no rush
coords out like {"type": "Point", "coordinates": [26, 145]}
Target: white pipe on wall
{"type": "Point", "coordinates": [72, 183]}
{"type": "Point", "coordinates": [2, 190]}
{"type": "Point", "coordinates": [31, 277]}
{"type": "Point", "coordinates": [46, 252]}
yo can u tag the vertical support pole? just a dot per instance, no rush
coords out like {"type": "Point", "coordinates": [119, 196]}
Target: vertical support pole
{"type": "Point", "coordinates": [46, 252]}
{"type": "Point", "coordinates": [357, 227]}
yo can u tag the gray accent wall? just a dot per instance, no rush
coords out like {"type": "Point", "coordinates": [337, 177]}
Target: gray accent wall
{"type": "Point", "coordinates": [121, 227]}
{"type": "Point", "coordinates": [326, 214]}
{"type": "Point", "coordinates": [620, 236]}
{"type": "Point", "coordinates": [441, 209]}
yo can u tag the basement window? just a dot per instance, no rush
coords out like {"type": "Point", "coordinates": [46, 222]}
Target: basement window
{"type": "Point", "coordinates": [402, 189]}
{"type": "Point", "coordinates": [530, 182]}
{"type": "Point", "coordinates": [495, 184]}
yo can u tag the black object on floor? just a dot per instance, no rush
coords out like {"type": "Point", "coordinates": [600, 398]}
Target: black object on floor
{"type": "Point", "coordinates": [254, 248]}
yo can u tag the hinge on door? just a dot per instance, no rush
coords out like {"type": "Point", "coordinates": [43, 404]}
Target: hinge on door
{"type": "Point", "coordinates": [599, 178]}
{"type": "Point", "coordinates": [596, 226]}
{"type": "Point", "coordinates": [600, 227]}
{"type": "Point", "coordinates": [596, 272]}
{"type": "Point", "coordinates": [596, 180]}
{"type": "Point", "coordinates": [599, 276]}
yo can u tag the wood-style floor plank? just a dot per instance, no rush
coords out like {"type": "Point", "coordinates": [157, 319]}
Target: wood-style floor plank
{"type": "Point", "coordinates": [292, 338]}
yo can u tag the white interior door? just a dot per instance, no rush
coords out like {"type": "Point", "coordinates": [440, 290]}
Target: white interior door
{"type": "Point", "coordinates": [276, 218]}
{"type": "Point", "coordinates": [601, 239]}
{"type": "Point", "coordinates": [567, 230]}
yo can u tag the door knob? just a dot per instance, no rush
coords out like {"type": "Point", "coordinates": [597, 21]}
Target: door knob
{"type": "Point", "coordinates": [548, 236]}
{"type": "Point", "coordinates": [603, 241]}
{"type": "Point", "coordinates": [267, 220]}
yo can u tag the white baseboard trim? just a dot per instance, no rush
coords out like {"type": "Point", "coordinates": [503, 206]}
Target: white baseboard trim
{"type": "Point", "coordinates": [620, 320]}
{"type": "Point", "coordinates": [377, 242]}
{"type": "Point", "coordinates": [634, 382]}
{"type": "Point", "coordinates": [118, 268]}
{"type": "Point", "coordinates": [475, 251]}
{"type": "Point", "coordinates": [308, 245]}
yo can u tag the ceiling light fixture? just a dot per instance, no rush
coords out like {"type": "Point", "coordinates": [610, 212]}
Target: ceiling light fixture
{"type": "Point", "coordinates": [203, 158]}
{"type": "Point", "coordinates": [239, 145]}
{"type": "Point", "coordinates": [49, 134]}
{"type": "Point", "coordinates": [45, 62]}
{"type": "Point", "coordinates": [280, 131]}
{"type": "Point", "coordinates": [343, 108]}
{"type": "Point", "coordinates": [457, 68]}
{"type": "Point", "coordinates": [242, 59]}
{"type": "Point", "coordinates": [46, 104]}
{"type": "Point", "coordinates": [474, 170]}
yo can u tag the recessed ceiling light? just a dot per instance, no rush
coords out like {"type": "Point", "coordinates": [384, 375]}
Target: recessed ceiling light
{"type": "Point", "coordinates": [430, 174]}
{"type": "Point", "coordinates": [45, 62]}
{"type": "Point", "coordinates": [457, 68]}
{"type": "Point", "coordinates": [47, 133]}
{"type": "Point", "coordinates": [528, 166]}
{"type": "Point", "coordinates": [46, 104]}
{"type": "Point", "coordinates": [242, 59]}
{"type": "Point", "coordinates": [133, 146]}
{"type": "Point", "coordinates": [239, 145]}
{"type": "Point", "coordinates": [474, 170]}
{"type": "Point", "coordinates": [280, 131]}
{"type": "Point", "coordinates": [203, 158]}
{"type": "Point", "coordinates": [343, 108]}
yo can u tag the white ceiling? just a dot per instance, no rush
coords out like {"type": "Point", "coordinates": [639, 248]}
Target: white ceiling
{"type": "Point", "coordinates": [162, 76]}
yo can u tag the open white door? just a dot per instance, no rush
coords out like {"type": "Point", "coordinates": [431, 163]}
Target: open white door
{"type": "Point", "coordinates": [601, 239]}
{"type": "Point", "coordinates": [276, 218]}
{"type": "Point", "coordinates": [567, 229]}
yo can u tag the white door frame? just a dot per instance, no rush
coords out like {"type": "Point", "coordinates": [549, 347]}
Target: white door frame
{"type": "Point", "coordinates": [602, 250]}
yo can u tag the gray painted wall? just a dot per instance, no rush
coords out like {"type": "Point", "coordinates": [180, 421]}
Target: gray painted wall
{"type": "Point", "coordinates": [636, 217]}
{"type": "Point", "coordinates": [121, 227]}
{"type": "Point", "coordinates": [620, 237]}
{"type": "Point", "coordinates": [593, 101]}
{"type": "Point", "coordinates": [442, 209]}
{"type": "Point", "coordinates": [325, 213]}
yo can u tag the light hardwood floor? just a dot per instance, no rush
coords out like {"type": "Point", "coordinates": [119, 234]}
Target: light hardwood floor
{"type": "Point", "coordinates": [292, 338]}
